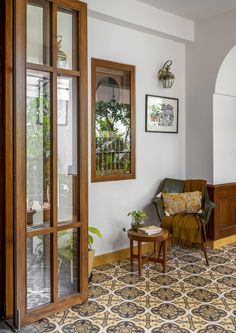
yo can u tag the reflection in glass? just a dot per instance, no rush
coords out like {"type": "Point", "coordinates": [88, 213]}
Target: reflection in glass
{"type": "Point", "coordinates": [38, 36]}
{"type": "Point", "coordinates": [67, 262]}
{"type": "Point", "coordinates": [67, 149]}
{"type": "Point", "coordinates": [66, 39]}
{"type": "Point", "coordinates": [38, 271]}
{"type": "Point", "coordinates": [38, 148]}
{"type": "Point", "coordinates": [113, 155]}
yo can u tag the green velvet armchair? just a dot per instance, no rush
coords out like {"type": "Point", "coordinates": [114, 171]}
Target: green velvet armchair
{"type": "Point", "coordinates": [170, 185]}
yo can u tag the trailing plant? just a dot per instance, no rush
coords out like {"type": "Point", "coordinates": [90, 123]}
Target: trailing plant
{"type": "Point", "coordinates": [93, 231]}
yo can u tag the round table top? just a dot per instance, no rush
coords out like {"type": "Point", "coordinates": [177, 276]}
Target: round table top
{"type": "Point", "coordinates": [140, 236]}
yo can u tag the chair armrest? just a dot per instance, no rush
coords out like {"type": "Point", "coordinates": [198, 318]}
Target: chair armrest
{"type": "Point", "coordinates": [207, 209]}
{"type": "Point", "coordinates": [159, 207]}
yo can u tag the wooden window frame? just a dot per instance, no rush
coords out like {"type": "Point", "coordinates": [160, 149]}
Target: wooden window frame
{"type": "Point", "coordinates": [16, 171]}
{"type": "Point", "coordinates": [115, 66]}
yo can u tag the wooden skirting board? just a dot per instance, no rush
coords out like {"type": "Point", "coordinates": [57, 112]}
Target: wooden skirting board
{"type": "Point", "coordinates": [118, 255]}
{"type": "Point", "coordinates": [123, 254]}
{"type": "Point", "coordinates": [215, 244]}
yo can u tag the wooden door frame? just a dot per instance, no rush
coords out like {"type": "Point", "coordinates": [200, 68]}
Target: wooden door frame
{"type": "Point", "coordinates": [2, 153]}
{"type": "Point", "coordinates": [16, 128]}
{"type": "Point", "coordinates": [9, 154]}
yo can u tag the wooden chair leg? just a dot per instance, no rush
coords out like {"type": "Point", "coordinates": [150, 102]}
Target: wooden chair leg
{"type": "Point", "coordinates": [160, 249]}
{"type": "Point", "coordinates": [205, 253]}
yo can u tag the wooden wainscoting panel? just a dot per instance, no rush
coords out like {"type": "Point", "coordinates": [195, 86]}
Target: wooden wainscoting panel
{"type": "Point", "coordinates": [223, 220]}
{"type": "Point", "coordinates": [227, 211]}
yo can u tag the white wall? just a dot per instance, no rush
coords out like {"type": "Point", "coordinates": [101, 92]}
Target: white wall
{"type": "Point", "coordinates": [224, 121]}
{"type": "Point", "coordinates": [143, 15]}
{"type": "Point", "coordinates": [213, 40]}
{"type": "Point", "coordinates": [224, 138]}
{"type": "Point", "coordinates": [157, 155]}
{"type": "Point", "coordinates": [226, 78]}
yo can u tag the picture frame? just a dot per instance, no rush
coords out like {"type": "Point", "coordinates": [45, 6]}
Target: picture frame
{"type": "Point", "coordinates": [162, 114]}
{"type": "Point", "coordinates": [112, 121]}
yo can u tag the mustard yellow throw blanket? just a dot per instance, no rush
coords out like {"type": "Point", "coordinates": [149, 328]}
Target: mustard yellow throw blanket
{"type": "Point", "coordinates": [187, 228]}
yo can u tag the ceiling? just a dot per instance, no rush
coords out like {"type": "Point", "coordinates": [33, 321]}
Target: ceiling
{"type": "Point", "coordinates": [195, 10]}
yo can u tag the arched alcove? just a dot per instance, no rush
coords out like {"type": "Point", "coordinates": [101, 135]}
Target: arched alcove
{"type": "Point", "coordinates": [224, 121]}
{"type": "Point", "coordinates": [226, 77]}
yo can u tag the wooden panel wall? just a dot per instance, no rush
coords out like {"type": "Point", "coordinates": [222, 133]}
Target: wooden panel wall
{"type": "Point", "coordinates": [1, 152]}
{"type": "Point", "coordinates": [223, 220]}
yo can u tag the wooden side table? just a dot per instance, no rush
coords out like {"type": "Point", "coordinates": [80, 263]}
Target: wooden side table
{"type": "Point", "coordinates": [139, 237]}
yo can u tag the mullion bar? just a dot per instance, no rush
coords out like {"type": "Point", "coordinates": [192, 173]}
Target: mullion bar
{"type": "Point", "coordinates": [51, 69]}
{"type": "Point", "coordinates": [54, 153]}
{"type": "Point", "coordinates": [19, 105]}
{"type": "Point", "coordinates": [83, 153]}
{"type": "Point", "coordinates": [39, 67]}
{"type": "Point", "coordinates": [69, 226]}
{"type": "Point", "coordinates": [32, 233]}
{"type": "Point", "coordinates": [67, 72]}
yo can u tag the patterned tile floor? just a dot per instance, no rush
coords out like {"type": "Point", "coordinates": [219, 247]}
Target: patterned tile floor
{"type": "Point", "coordinates": [190, 297]}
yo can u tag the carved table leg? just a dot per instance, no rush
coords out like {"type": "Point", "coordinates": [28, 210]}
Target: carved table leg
{"type": "Point", "coordinates": [139, 257]}
{"type": "Point", "coordinates": [131, 254]}
{"type": "Point", "coordinates": [164, 255]}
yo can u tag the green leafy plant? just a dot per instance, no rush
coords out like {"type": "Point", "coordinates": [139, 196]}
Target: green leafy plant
{"type": "Point", "coordinates": [93, 231]}
{"type": "Point", "coordinates": [138, 216]}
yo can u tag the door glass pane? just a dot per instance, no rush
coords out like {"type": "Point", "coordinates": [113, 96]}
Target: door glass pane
{"type": "Point", "coordinates": [66, 39]}
{"type": "Point", "coordinates": [68, 256]}
{"type": "Point", "coordinates": [38, 271]}
{"type": "Point", "coordinates": [38, 130]}
{"type": "Point", "coordinates": [67, 149]}
{"type": "Point", "coordinates": [113, 121]}
{"type": "Point", "coordinates": [38, 32]}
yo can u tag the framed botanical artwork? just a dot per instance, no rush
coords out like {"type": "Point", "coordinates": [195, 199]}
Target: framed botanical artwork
{"type": "Point", "coordinates": [161, 114]}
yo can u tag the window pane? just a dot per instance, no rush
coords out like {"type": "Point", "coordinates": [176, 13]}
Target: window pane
{"type": "Point", "coordinates": [113, 120]}
{"type": "Point", "coordinates": [67, 149]}
{"type": "Point", "coordinates": [38, 149]}
{"type": "Point", "coordinates": [38, 271]}
{"type": "Point", "coordinates": [38, 32]}
{"type": "Point", "coordinates": [66, 39]}
{"type": "Point", "coordinates": [68, 254]}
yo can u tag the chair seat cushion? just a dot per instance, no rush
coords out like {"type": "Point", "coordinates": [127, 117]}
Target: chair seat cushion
{"type": "Point", "coordinates": [179, 203]}
{"type": "Point", "coordinates": [185, 228]}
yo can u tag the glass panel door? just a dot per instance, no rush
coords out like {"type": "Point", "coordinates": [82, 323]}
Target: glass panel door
{"type": "Point", "coordinates": [67, 149]}
{"type": "Point", "coordinates": [38, 136]}
{"type": "Point", "coordinates": [51, 161]}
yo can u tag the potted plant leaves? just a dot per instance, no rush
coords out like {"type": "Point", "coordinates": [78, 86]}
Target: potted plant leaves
{"type": "Point", "coordinates": [138, 217]}
{"type": "Point", "coordinates": [91, 253]}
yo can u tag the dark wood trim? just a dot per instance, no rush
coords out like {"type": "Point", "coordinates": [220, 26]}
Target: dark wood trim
{"type": "Point", "coordinates": [38, 67]}
{"type": "Point", "coordinates": [223, 219]}
{"type": "Point", "coordinates": [51, 69]}
{"type": "Point", "coordinates": [72, 4]}
{"type": "Point", "coordinates": [67, 72]}
{"type": "Point", "coordinates": [93, 120]}
{"type": "Point", "coordinates": [67, 226]}
{"type": "Point", "coordinates": [20, 153]}
{"type": "Point", "coordinates": [83, 152]}
{"type": "Point", "coordinates": [54, 246]}
{"type": "Point", "coordinates": [41, 312]}
{"type": "Point", "coordinates": [38, 232]}
{"type": "Point", "coordinates": [2, 153]}
{"type": "Point", "coordinates": [116, 66]}
{"type": "Point", "coordinates": [8, 159]}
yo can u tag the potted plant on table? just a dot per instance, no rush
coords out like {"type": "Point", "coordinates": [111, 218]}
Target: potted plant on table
{"type": "Point", "coordinates": [92, 231]}
{"type": "Point", "coordinates": [138, 217]}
